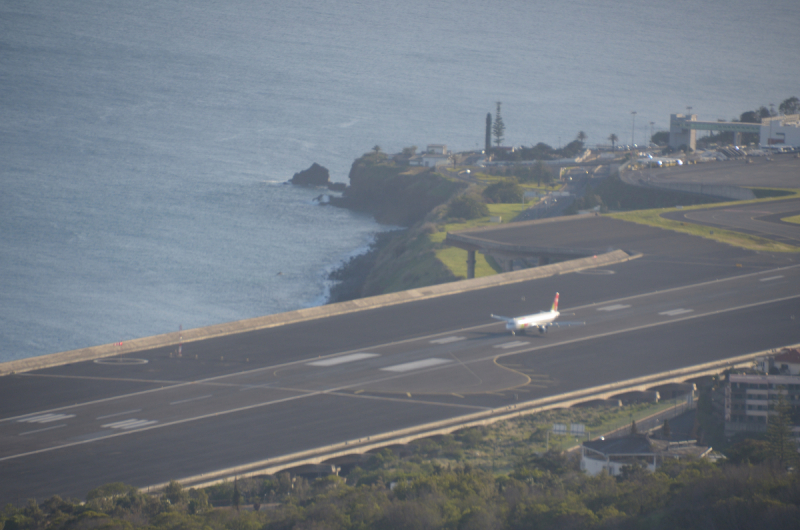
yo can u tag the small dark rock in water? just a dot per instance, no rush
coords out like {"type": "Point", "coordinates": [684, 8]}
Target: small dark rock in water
{"type": "Point", "coordinates": [316, 175]}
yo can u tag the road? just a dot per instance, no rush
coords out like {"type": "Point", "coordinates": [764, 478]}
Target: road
{"type": "Point", "coordinates": [151, 416]}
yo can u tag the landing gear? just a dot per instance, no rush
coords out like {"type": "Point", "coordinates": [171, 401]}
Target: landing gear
{"type": "Point", "coordinates": [542, 330]}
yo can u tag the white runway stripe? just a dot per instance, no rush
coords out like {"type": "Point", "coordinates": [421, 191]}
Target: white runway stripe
{"type": "Point", "coordinates": [614, 307]}
{"type": "Point", "coordinates": [46, 418]}
{"type": "Point", "coordinates": [447, 340]}
{"type": "Point", "coordinates": [513, 344]}
{"type": "Point", "coordinates": [129, 424]}
{"type": "Point", "coordinates": [333, 361]}
{"type": "Point", "coordinates": [676, 312]}
{"type": "Point", "coordinates": [770, 278]}
{"type": "Point", "coordinates": [416, 365]}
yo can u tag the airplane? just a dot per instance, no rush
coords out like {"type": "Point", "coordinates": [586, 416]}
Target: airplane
{"type": "Point", "coordinates": [542, 320]}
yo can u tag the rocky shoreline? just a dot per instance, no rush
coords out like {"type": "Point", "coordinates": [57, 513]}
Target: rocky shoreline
{"type": "Point", "coordinates": [348, 280]}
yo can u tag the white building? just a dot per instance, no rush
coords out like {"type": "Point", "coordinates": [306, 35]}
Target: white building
{"type": "Point", "coordinates": [748, 398]}
{"type": "Point", "coordinates": [613, 454]}
{"type": "Point", "coordinates": [435, 155]}
{"type": "Point", "coordinates": [780, 131]}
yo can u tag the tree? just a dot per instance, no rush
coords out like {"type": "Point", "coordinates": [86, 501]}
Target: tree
{"type": "Point", "coordinates": [499, 127]}
{"type": "Point", "coordinates": [488, 131]}
{"type": "Point", "coordinates": [779, 430]}
{"type": "Point", "coordinates": [613, 138]}
{"type": "Point", "coordinates": [790, 106]}
{"type": "Point", "coordinates": [582, 137]}
{"type": "Point", "coordinates": [236, 499]}
{"type": "Point", "coordinates": [750, 116]}
{"type": "Point", "coordinates": [506, 192]}
{"type": "Point", "coordinates": [377, 149]}
{"type": "Point", "coordinates": [634, 430]}
{"type": "Point", "coordinates": [467, 207]}
{"type": "Point", "coordinates": [660, 138]}
{"type": "Point", "coordinates": [665, 432]}
{"type": "Point", "coordinates": [542, 174]}
{"type": "Point", "coordinates": [408, 152]}
{"type": "Point", "coordinates": [175, 493]}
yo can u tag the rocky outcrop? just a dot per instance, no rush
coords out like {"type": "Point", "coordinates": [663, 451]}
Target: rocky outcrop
{"type": "Point", "coordinates": [314, 176]}
{"type": "Point", "coordinates": [394, 194]}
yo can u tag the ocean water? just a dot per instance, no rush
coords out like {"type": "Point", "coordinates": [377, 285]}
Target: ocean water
{"type": "Point", "coordinates": [144, 146]}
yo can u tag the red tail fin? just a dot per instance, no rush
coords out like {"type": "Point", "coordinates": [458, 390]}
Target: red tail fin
{"type": "Point", "coordinates": [555, 304]}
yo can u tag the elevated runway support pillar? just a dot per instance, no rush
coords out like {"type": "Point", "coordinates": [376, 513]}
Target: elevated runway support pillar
{"type": "Point", "coordinates": [470, 264]}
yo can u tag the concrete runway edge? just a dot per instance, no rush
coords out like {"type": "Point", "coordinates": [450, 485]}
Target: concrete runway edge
{"type": "Point", "coordinates": [301, 315]}
{"type": "Point", "coordinates": [316, 456]}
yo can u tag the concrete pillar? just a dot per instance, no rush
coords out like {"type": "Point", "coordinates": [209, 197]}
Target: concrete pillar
{"type": "Point", "coordinates": [679, 134]}
{"type": "Point", "coordinates": [470, 264]}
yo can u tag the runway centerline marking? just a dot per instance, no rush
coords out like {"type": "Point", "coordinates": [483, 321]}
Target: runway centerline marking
{"type": "Point", "coordinates": [118, 414]}
{"type": "Point", "coordinates": [676, 312]}
{"type": "Point", "coordinates": [333, 361]}
{"type": "Point", "coordinates": [197, 398]}
{"type": "Point", "coordinates": [42, 430]}
{"type": "Point", "coordinates": [209, 380]}
{"type": "Point", "coordinates": [448, 340]}
{"type": "Point", "coordinates": [317, 393]}
{"type": "Point", "coordinates": [771, 278]}
{"type": "Point", "coordinates": [615, 307]}
{"type": "Point", "coordinates": [416, 365]}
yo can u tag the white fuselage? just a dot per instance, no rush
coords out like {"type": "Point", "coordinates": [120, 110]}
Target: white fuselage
{"type": "Point", "coordinates": [530, 321]}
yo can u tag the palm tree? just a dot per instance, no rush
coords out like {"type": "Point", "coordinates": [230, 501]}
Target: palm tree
{"type": "Point", "coordinates": [581, 137]}
{"type": "Point", "coordinates": [613, 139]}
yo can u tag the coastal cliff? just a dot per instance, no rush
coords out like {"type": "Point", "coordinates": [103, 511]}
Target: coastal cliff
{"type": "Point", "coordinates": [395, 194]}
{"type": "Point", "coordinates": [399, 195]}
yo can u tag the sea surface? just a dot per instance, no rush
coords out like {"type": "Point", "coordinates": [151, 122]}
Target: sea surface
{"type": "Point", "coordinates": [144, 146]}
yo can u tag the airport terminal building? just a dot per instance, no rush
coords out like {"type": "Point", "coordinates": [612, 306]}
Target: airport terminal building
{"type": "Point", "coordinates": [775, 132]}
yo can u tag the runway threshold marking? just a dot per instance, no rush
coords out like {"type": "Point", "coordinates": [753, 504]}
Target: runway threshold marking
{"type": "Point", "coordinates": [333, 361]}
{"type": "Point", "coordinates": [513, 344]}
{"type": "Point", "coordinates": [771, 278]}
{"type": "Point", "coordinates": [447, 340]}
{"type": "Point", "coordinates": [416, 365]}
{"type": "Point", "coordinates": [334, 390]}
{"type": "Point", "coordinates": [615, 307]}
{"type": "Point", "coordinates": [676, 312]}
{"type": "Point", "coordinates": [45, 418]}
{"type": "Point", "coordinates": [129, 424]}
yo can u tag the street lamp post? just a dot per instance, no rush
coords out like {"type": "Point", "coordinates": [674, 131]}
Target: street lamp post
{"type": "Point", "coordinates": [633, 127]}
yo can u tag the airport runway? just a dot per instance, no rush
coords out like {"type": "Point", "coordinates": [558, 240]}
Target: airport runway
{"type": "Point", "coordinates": [775, 171]}
{"type": "Point", "coordinates": [151, 416]}
{"type": "Point", "coordinates": [760, 219]}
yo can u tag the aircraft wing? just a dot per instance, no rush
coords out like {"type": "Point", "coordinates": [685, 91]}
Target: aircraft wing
{"type": "Point", "coordinates": [498, 317]}
{"type": "Point", "coordinates": [566, 323]}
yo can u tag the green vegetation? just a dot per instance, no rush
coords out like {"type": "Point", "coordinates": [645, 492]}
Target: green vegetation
{"type": "Point", "coordinates": [499, 128]}
{"type": "Point", "coordinates": [794, 219]}
{"type": "Point", "coordinates": [660, 138]}
{"type": "Point", "coordinates": [393, 192]}
{"type": "Point", "coordinates": [654, 217]}
{"type": "Point", "coordinates": [505, 192]}
{"type": "Point", "coordinates": [466, 207]}
{"type": "Point", "coordinates": [614, 194]}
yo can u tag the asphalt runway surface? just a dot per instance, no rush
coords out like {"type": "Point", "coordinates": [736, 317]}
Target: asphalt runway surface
{"type": "Point", "coordinates": [151, 416]}
{"type": "Point", "coordinates": [762, 219]}
{"type": "Point", "coordinates": [775, 171]}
